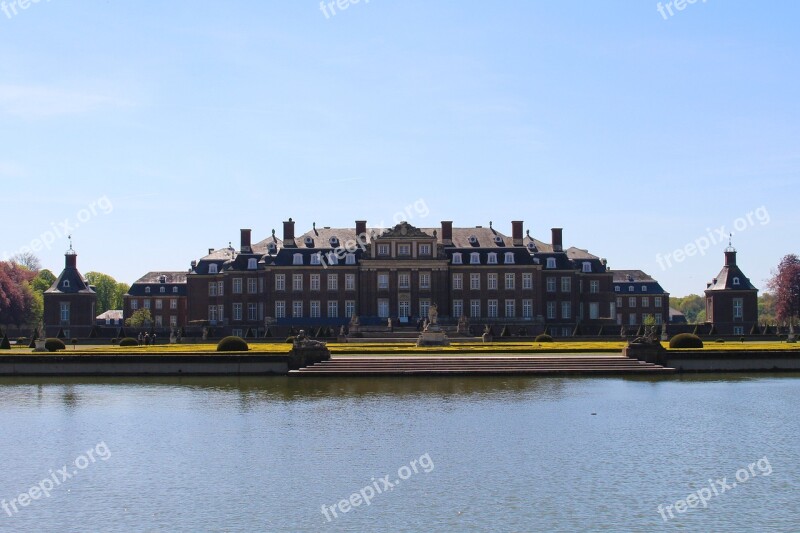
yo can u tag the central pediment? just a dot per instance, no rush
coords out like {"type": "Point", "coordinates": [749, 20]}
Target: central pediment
{"type": "Point", "coordinates": [404, 230]}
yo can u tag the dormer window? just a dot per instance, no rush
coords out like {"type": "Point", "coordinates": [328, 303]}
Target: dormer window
{"type": "Point", "coordinates": [271, 247]}
{"type": "Point", "coordinates": [492, 259]}
{"type": "Point", "coordinates": [212, 268]}
{"type": "Point", "coordinates": [630, 288]}
{"type": "Point", "coordinates": [644, 288]}
{"type": "Point", "coordinates": [532, 247]}
{"type": "Point", "coordinates": [174, 290]}
{"type": "Point", "coordinates": [473, 239]}
{"type": "Point", "coordinates": [147, 290]}
{"type": "Point", "coordinates": [509, 259]}
{"type": "Point", "coordinates": [616, 288]}
{"type": "Point", "coordinates": [457, 258]}
{"type": "Point", "coordinates": [162, 290]}
{"type": "Point", "coordinates": [65, 284]}
{"type": "Point", "coordinates": [736, 281]}
{"type": "Point", "coordinates": [474, 258]}
{"type": "Point", "coordinates": [551, 262]}
{"type": "Point", "coordinates": [334, 241]}
{"type": "Point", "coordinates": [297, 259]}
{"type": "Point", "coordinates": [309, 242]}
{"type": "Point", "coordinates": [333, 259]}
{"type": "Point", "coordinates": [587, 266]}
{"type": "Point", "coordinates": [498, 240]}
{"type": "Point", "coordinates": [350, 259]}
{"type": "Point", "coordinates": [316, 259]}
{"type": "Point", "coordinates": [252, 263]}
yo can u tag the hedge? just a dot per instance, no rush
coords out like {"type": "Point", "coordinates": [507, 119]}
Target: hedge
{"type": "Point", "coordinates": [685, 340]}
{"type": "Point", "coordinates": [232, 344]}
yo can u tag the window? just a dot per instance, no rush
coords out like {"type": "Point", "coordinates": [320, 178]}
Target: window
{"type": "Point", "coordinates": [458, 308]}
{"type": "Point", "coordinates": [159, 304]}
{"type": "Point", "coordinates": [424, 249]}
{"type": "Point", "coordinates": [383, 281]}
{"type": "Point", "coordinates": [491, 281]}
{"type": "Point", "coordinates": [212, 268]}
{"type": "Point", "coordinates": [644, 288]}
{"type": "Point", "coordinates": [551, 310]}
{"type": "Point", "coordinates": [403, 280]}
{"type": "Point", "coordinates": [64, 310]}
{"type": "Point", "coordinates": [280, 282]}
{"type": "Point", "coordinates": [146, 289]}
{"type": "Point", "coordinates": [735, 281]}
{"type": "Point", "coordinates": [630, 288]}
{"type": "Point", "coordinates": [174, 290]}
{"type": "Point", "coordinates": [349, 282]}
{"type": "Point", "coordinates": [173, 321]}
{"type": "Point", "coordinates": [491, 258]}
{"type": "Point", "coordinates": [297, 309]}
{"type": "Point", "coordinates": [474, 258]}
{"type": "Point", "coordinates": [509, 259]}
{"type": "Point", "coordinates": [566, 284]}
{"type": "Point", "coordinates": [252, 263]}
{"type": "Point", "coordinates": [631, 302]}
{"type": "Point", "coordinates": [220, 288]}
{"type": "Point", "coordinates": [316, 259]}
{"type": "Point", "coordinates": [659, 319]}
{"type": "Point", "coordinates": [527, 280]}
{"type": "Point", "coordinates": [594, 310]}
{"type": "Point", "coordinates": [657, 301]}
{"type": "Point", "coordinates": [297, 259]}
{"type": "Point", "coordinates": [314, 282]}
{"type": "Point", "coordinates": [457, 258]}
{"type": "Point", "coordinates": [134, 305]}
{"type": "Point", "coordinates": [333, 258]}
{"type": "Point", "coordinates": [424, 306]}
{"type": "Point", "coordinates": [297, 282]}
{"type": "Point", "coordinates": [619, 301]}
{"type": "Point", "coordinates": [475, 282]}
{"type": "Point", "coordinates": [424, 280]}
{"type": "Point", "coordinates": [173, 303]}
{"type": "Point", "coordinates": [566, 310]}
{"type": "Point", "coordinates": [738, 307]}
{"type": "Point", "coordinates": [587, 266]}
{"type": "Point", "coordinates": [349, 308]}
{"type": "Point", "coordinates": [280, 309]}
{"type": "Point", "coordinates": [236, 332]}
{"type": "Point", "coordinates": [616, 288]}
{"type": "Point", "coordinates": [252, 285]}
{"type": "Point", "coordinates": [65, 284]}
{"type": "Point", "coordinates": [147, 304]}
{"type": "Point", "coordinates": [237, 311]}
{"type": "Point", "coordinates": [221, 312]}
{"type": "Point", "coordinates": [333, 309]}
{"type": "Point", "coordinates": [527, 308]}
{"type": "Point", "coordinates": [383, 249]}
{"type": "Point", "coordinates": [403, 249]}
{"type": "Point", "coordinates": [237, 286]}
{"type": "Point", "coordinates": [315, 309]}
{"type": "Point", "coordinates": [404, 308]}
{"type": "Point", "coordinates": [162, 290]}
{"type": "Point", "coordinates": [632, 319]}
{"type": "Point", "coordinates": [475, 308]}
{"type": "Point", "coordinates": [350, 259]}
{"type": "Point", "coordinates": [510, 281]}
{"type": "Point", "coordinates": [511, 308]}
{"type": "Point", "coordinates": [212, 314]}
{"type": "Point", "coordinates": [551, 284]}
{"type": "Point", "coordinates": [645, 301]}
{"type": "Point", "coordinates": [491, 309]}
{"type": "Point", "coordinates": [383, 307]}
{"type": "Point", "coordinates": [594, 286]}
{"type": "Point", "coordinates": [252, 312]}
{"type": "Point", "coordinates": [551, 262]}
{"type": "Point", "coordinates": [738, 330]}
{"type": "Point", "coordinates": [212, 288]}
{"type": "Point", "coordinates": [333, 282]}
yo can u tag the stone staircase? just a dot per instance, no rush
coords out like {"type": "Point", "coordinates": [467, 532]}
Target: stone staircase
{"type": "Point", "coordinates": [456, 365]}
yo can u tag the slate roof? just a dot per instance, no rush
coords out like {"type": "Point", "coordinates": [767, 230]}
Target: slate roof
{"type": "Point", "coordinates": [77, 284]}
{"type": "Point", "coordinates": [153, 281]}
{"type": "Point", "coordinates": [725, 280]}
{"type": "Point", "coordinates": [111, 314]}
{"type": "Point", "coordinates": [641, 281]}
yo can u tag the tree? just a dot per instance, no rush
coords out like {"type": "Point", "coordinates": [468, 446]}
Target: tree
{"type": "Point", "coordinates": [785, 285]}
{"type": "Point", "coordinates": [766, 308]}
{"type": "Point", "coordinates": [16, 295]}
{"type": "Point", "coordinates": [140, 318]}
{"type": "Point", "coordinates": [109, 291]}
{"type": "Point", "coordinates": [44, 280]}
{"type": "Point", "coordinates": [27, 260]}
{"type": "Point", "coordinates": [691, 306]}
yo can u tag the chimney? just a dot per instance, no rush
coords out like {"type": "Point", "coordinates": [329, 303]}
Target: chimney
{"type": "Point", "coordinates": [361, 228]}
{"type": "Point", "coordinates": [71, 259]}
{"type": "Point", "coordinates": [730, 257]}
{"type": "Point", "coordinates": [210, 251]}
{"type": "Point", "coordinates": [288, 233]}
{"type": "Point", "coordinates": [557, 240]}
{"type": "Point", "coordinates": [516, 232]}
{"type": "Point", "coordinates": [447, 232]}
{"type": "Point", "coordinates": [244, 247]}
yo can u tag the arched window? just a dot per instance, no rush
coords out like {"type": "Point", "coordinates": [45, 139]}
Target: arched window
{"type": "Point", "coordinates": [735, 281]}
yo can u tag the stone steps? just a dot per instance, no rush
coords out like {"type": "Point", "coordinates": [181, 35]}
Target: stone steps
{"type": "Point", "coordinates": [418, 365]}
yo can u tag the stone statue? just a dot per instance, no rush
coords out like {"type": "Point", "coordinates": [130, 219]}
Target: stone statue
{"type": "Point", "coordinates": [302, 341]}
{"type": "Point", "coordinates": [433, 314]}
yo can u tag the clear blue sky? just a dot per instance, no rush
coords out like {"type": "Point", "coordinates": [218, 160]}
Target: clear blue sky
{"type": "Point", "coordinates": [636, 132]}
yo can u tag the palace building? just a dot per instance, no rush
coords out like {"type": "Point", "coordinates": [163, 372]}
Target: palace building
{"type": "Point", "coordinates": [731, 300]}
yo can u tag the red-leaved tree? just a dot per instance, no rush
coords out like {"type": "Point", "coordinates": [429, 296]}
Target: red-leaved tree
{"type": "Point", "coordinates": [785, 285]}
{"type": "Point", "coordinates": [16, 296]}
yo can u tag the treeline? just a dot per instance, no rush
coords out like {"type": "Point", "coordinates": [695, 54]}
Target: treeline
{"type": "Point", "coordinates": [23, 283]}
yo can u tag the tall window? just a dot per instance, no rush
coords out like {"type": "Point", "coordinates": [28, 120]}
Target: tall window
{"type": "Point", "coordinates": [252, 312]}
{"type": "Point", "coordinates": [297, 282]}
{"type": "Point", "coordinates": [551, 310]}
{"type": "Point", "coordinates": [297, 309]}
{"type": "Point", "coordinates": [403, 280]}
{"type": "Point", "coordinates": [173, 321]}
{"type": "Point", "coordinates": [237, 286]}
{"type": "Point", "coordinates": [527, 308]}
{"type": "Point", "coordinates": [220, 289]}
{"type": "Point", "coordinates": [594, 286]}
{"type": "Point", "coordinates": [314, 282]}
{"type": "Point", "coordinates": [566, 284]}
{"type": "Point", "coordinates": [212, 288]}
{"type": "Point", "coordinates": [738, 307]}
{"type": "Point", "coordinates": [159, 304]}
{"type": "Point", "coordinates": [349, 282]}
{"type": "Point", "coordinates": [594, 310]}
{"type": "Point", "coordinates": [212, 314]}
{"type": "Point", "coordinates": [404, 308]}
{"type": "Point", "coordinates": [404, 249]}
{"type": "Point", "coordinates": [173, 303]}
{"type": "Point", "coordinates": [527, 280]}
{"type": "Point", "coordinates": [645, 301]}
{"type": "Point", "coordinates": [315, 309]}
{"type": "Point", "coordinates": [252, 285]}
{"type": "Point", "coordinates": [458, 282]}
{"type": "Point", "coordinates": [333, 282]}
{"type": "Point", "coordinates": [492, 309]}
{"type": "Point", "coordinates": [349, 308]}
{"type": "Point", "coordinates": [566, 310]}
{"type": "Point", "coordinates": [475, 281]}
{"type": "Point", "coordinates": [511, 308]}
{"type": "Point", "coordinates": [510, 280]}
{"type": "Point", "coordinates": [333, 309]}
{"type": "Point", "coordinates": [657, 301]}
{"type": "Point", "coordinates": [383, 282]}
{"type": "Point", "coordinates": [147, 304]}
{"type": "Point", "coordinates": [458, 308]}
{"type": "Point", "coordinates": [475, 308]}
{"type": "Point", "coordinates": [64, 310]}
{"type": "Point", "coordinates": [212, 268]}
{"type": "Point", "coordinates": [237, 311]}
{"type": "Point", "coordinates": [220, 312]}
{"type": "Point", "coordinates": [551, 284]}
{"type": "Point", "coordinates": [491, 281]}
{"type": "Point", "coordinates": [383, 307]}
{"type": "Point", "coordinates": [424, 280]}
{"type": "Point", "coordinates": [424, 306]}
{"type": "Point", "coordinates": [134, 305]}
{"type": "Point", "coordinates": [280, 282]}
{"type": "Point", "coordinates": [316, 259]}
{"type": "Point", "coordinates": [631, 302]}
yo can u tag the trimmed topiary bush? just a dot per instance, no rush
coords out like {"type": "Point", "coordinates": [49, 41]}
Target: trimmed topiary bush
{"type": "Point", "coordinates": [129, 341]}
{"type": "Point", "coordinates": [5, 344]}
{"type": "Point", "coordinates": [685, 340]}
{"type": "Point", "coordinates": [544, 337]}
{"type": "Point", "coordinates": [232, 344]}
{"type": "Point", "coordinates": [54, 345]}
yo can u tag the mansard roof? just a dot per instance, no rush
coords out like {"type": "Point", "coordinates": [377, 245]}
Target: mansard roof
{"type": "Point", "coordinates": [641, 281]}
{"type": "Point", "coordinates": [75, 283]}
{"type": "Point", "coordinates": [731, 277]}
{"type": "Point", "coordinates": [521, 255]}
{"type": "Point", "coordinates": [155, 280]}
